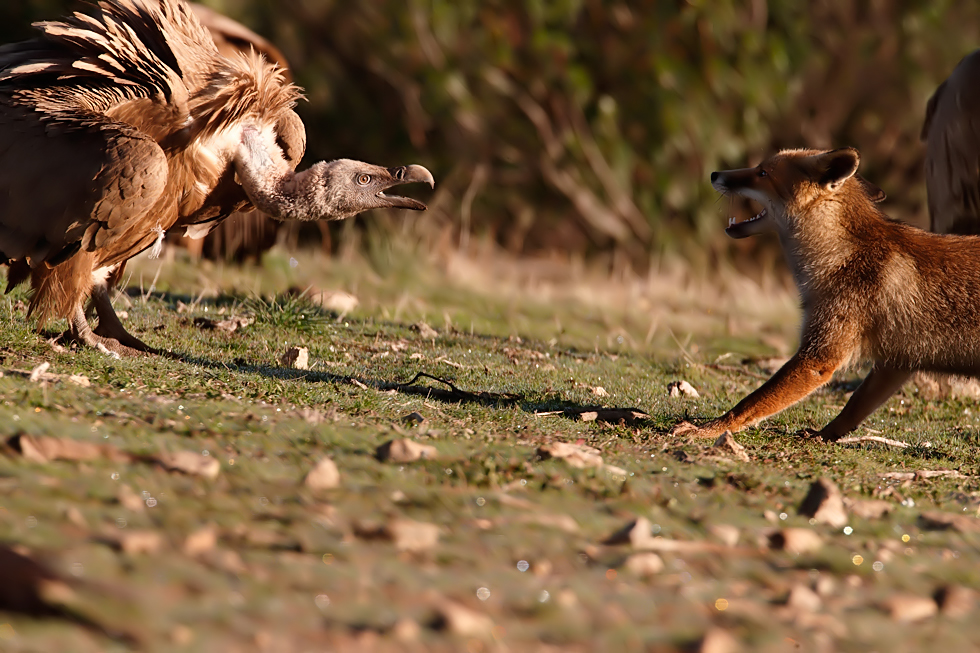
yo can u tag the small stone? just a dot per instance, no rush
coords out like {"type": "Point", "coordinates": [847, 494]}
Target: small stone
{"type": "Point", "coordinates": [803, 599]}
{"type": "Point", "coordinates": [297, 358]}
{"type": "Point", "coordinates": [868, 508]}
{"type": "Point", "coordinates": [599, 391]}
{"type": "Point", "coordinates": [406, 534]}
{"type": "Point", "coordinates": [324, 476]}
{"type": "Point", "coordinates": [405, 451]}
{"type": "Point", "coordinates": [460, 620]}
{"type": "Point", "coordinates": [80, 380]}
{"type": "Point", "coordinates": [139, 542]}
{"type": "Point", "coordinates": [75, 516]}
{"type": "Point", "coordinates": [824, 503]}
{"type": "Point", "coordinates": [682, 389]}
{"type": "Point", "coordinates": [413, 536]}
{"type": "Point", "coordinates": [190, 462]}
{"type": "Point", "coordinates": [129, 499]}
{"type": "Point", "coordinates": [955, 601]}
{"type": "Point", "coordinates": [579, 456]}
{"type": "Point", "coordinates": [718, 640]}
{"type": "Point", "coordinates": [338, 301]}
{"type": "Point", "coordinates": [638, 534]}
{"type": "Point", "coordinates": [406, 630]}
{"type": "Point", "coordinates": [727, 445]}
{"type": "Point", "coordinates": [200, 541]}
{"type": "Point", "coordinates": [936, 520]}
{"type": "Point", "coordinates": [644, 564]}
{"type": "Point", "coordinates": [795, 540]}
{"type": "Point", "coordinates": [907, 608]}
{"type": "Point", "coordinates": [724, 533]}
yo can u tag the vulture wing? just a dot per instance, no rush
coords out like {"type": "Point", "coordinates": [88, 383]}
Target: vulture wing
{"type": "Point", "coordinates": [82, 109]}
{"type": "Point", "coordinates": [78, 190]}
{"type": "Point", "coordinates": [952, 135]}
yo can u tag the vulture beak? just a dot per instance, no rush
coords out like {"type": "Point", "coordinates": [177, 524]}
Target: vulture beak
{"type": "Point", "coordinates": [406, 175]}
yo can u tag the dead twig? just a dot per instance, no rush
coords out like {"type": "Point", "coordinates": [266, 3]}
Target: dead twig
{"type": "Point", "coordinates": [874, 438]}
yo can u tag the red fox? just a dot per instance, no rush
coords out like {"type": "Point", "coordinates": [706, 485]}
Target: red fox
{"type": "Point", "coordinates": [872, 289]}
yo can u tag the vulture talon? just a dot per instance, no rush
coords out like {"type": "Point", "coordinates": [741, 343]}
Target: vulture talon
{"type": "Point", "coordinates": [130, 122]}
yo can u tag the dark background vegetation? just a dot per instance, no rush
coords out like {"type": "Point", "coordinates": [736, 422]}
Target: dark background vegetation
{"type": "Point", "coordinates": [591, 127]}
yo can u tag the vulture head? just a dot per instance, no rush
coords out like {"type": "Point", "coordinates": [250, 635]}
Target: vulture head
{"type": "Point", "coordinates": [328, 190]}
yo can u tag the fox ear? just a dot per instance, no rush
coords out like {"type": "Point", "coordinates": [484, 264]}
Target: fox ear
{"type": "Point", "coordinates": [837, 166]}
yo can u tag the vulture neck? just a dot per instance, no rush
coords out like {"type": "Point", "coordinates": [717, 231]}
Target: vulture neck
{"type": "Point", "coordinates": [274, 187]}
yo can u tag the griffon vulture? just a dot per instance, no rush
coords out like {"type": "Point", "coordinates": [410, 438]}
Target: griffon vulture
{"type": "Point", "coordinates": [119, 125]}
{"type": "Point", "coordinates": [952, 135]}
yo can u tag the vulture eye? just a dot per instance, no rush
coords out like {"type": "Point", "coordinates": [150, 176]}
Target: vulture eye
{"type": "Point", "coordinates": [363, 179]}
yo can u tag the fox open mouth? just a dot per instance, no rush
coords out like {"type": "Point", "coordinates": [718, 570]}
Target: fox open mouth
{"type": "Point", "coordinates": [748, 227]}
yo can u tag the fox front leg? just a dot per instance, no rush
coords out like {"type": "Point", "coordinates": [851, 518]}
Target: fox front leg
{"type": "Point", "coordinates": [800, 376]}
{"type": "Point", "coordinates": [880, 384]}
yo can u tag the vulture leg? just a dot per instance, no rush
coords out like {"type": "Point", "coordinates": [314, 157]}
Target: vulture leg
{"type": "Point", "coordinates": [110, 329]}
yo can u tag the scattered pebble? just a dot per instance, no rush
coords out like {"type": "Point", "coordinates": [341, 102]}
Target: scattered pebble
{"type": "Point", "coordinates": [724, 533]}
{"type": "Point", "coordinates": [726, 444]}
{"type": "Point", "coordinates": [824, 503]}
{"type": "Point", "coordinates": [644, 564]}
{"type": "Point", "coordinates": [189, 462]}
{"type": "Point", "coordinates": [324, 476]}
{"type": "Point", "coordinates": [682, 389]}
{"type": "Point", "coordinates": [297, 358]}
{"type": "Point", "coordinates": [406, 534]}
{"type": "Point", "coordinates": [579, 456]}
{"type": "Point", "coordinates": [803, 599]}
{"type": "Point", "coordinates": [868, 508]}
{"type": "Point", "coordinates": [200, 541]}
{"type": "Point", "coordinates": [405, 451]}
{"type": "Point", "coordinates": [795, 540]}
{"type": "Point", "coordinates": [906, 608]}
{"type": "Point", "coordinates": [460, 620]}
{"type": "Point", "coordinates": [955, 601]}
{"type": "Point", "coordinates": [425, 331]}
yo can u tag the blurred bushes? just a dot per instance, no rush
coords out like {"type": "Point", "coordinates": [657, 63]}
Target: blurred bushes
{"type": "Point", "coordinates": [592, 126]}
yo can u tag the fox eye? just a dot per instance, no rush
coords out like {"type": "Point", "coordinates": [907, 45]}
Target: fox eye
{"type": "Point", "coordinates": [363, 179]}
{"type": "Point", "coordinates": [763, 173]}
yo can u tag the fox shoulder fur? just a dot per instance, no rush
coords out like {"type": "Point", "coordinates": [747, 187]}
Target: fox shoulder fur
{"type": "Point", "coordinates": [872, 289]}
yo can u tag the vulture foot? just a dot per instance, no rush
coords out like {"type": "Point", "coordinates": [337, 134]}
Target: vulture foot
{"type": "Point", "coordinates": [108, 340]}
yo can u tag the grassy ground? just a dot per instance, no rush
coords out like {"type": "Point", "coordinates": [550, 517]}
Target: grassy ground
{"type": "Point", "coordinates": [255, 560]}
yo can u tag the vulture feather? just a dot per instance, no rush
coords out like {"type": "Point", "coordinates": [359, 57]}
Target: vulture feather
{"type": "Point", "coordinates": [952, 135]}
{"type": "Point", "coordinates": [117, 126]}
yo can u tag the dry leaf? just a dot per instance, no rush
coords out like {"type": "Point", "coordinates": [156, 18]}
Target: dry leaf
{"type": "Point", "coordinates": [717, 640]}
{"type": "Point", "coordinates": [824, 503]}
{"type": "Point", "coordinates": [135, 542]}
{"type": "Point", "coordinates": [724, 533]}
{"type": "Point", "coordinates": [599, 391]}
{"type": "Point", "coordinates": [189, 462]}
{"type": "Point", "coordinates": [405, 451]}
{"type": "Point", "coordinates": [324, 476]}
{"type": "Point", "coordinates": [129, 499]}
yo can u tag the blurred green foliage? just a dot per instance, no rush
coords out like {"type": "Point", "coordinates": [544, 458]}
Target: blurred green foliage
{"type": "Point", "coordinates": [587, 126]}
